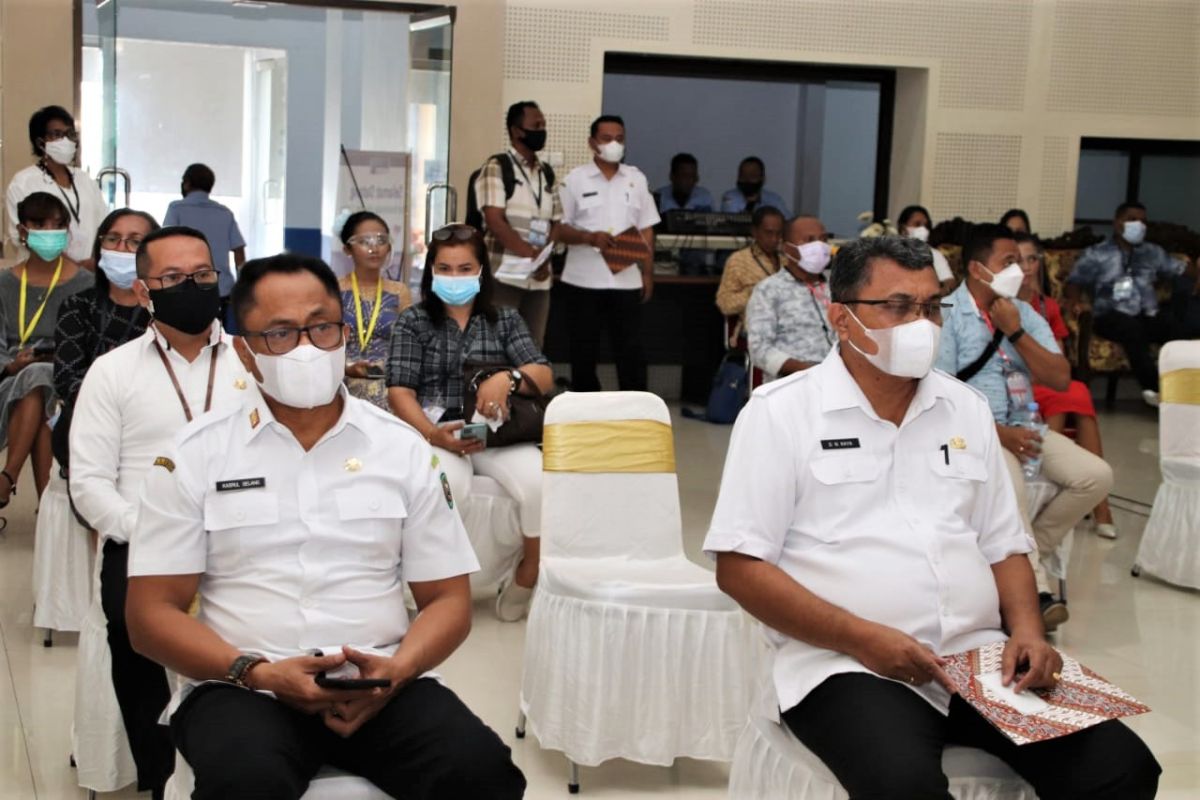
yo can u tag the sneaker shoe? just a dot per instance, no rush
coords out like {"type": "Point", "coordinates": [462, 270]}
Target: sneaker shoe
{"type": "Point", "coordinates": [512, 602]}
{"type": "Point", "coordinates": [1106, 530]}
{"type": "Point", "coordinates": [1150, 397]}
{"type": "Point", "coordinates": [1054, 611]}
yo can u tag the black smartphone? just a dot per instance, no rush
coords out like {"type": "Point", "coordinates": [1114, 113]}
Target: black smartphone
{"type": "Point", "coordinates": [43, 349]}
{"type": "Point", "coordinates": [375, 372]}
{"type": "Point", "coordinates": [351, 683]}
{"type": "Point", "coordinates": [475, 430]}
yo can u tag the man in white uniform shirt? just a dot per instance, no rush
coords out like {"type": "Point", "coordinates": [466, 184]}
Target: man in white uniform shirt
{"type": "Point", "coordinates": [133, 401]}
{"type": "Point", "coordinates": [600, 201]}
{"type": "Point", "coordinates": [297, 516]}
{"type": "Point", "coordinates": [867, 518]}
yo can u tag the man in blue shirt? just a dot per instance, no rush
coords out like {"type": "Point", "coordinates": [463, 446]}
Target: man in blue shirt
{"type": "Point", "coordinates": [750, 194]}
{"type": "Point", "coordinates": [684, 193]}
{"type": "Point", "coordinates": [987, 317]}
{"type": "Point", "coordinates": [215, 221]}
{"type": "Point", "coordinates": [1119, 274]}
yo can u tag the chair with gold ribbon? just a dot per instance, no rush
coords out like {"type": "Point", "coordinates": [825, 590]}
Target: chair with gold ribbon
{"type": "Point", "coordinates": [631, 651]}
{"type": "Point", "coordinates": [1170, 547]}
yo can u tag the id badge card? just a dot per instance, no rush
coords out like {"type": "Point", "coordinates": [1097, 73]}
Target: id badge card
{"type": "Point", "coordinates": [539, 233]}
{"type": "Point", "coordinates": [1123, 289]}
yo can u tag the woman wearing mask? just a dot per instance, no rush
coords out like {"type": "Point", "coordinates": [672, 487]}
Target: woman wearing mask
{"type": "Point", "coordinates": [54, 140]}
{"type": "Point", "coordinates": [1075, 404]}
{"type": "Point", "coordinates": [96, 320]}
{"type": "Point", "coordinates": [370, 305]}
{"type": "Point", "coordinates": [915, 223]}
{"type": "Point", "coordinates": [455, 326]}
{"type": "Point", "coordinates": [31, 294]}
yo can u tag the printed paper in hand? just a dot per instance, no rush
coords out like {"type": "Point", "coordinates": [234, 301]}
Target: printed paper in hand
{"type": "Point", "coordinates": [513, 267]}
{"type": "Point", "coordinates": [1080, 700]}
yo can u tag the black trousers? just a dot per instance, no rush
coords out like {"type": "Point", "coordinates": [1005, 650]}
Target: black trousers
{"type": "Point", "coordinates": [424, 744]}
{"type": "Point", "coordinates": [618, 310]}
{"type": "Point", "coordinates": [1135, 335]}
{"type": "Point", "coordinates": [141, 685]}
{"type": "Point", "coordinates": [881, 740]}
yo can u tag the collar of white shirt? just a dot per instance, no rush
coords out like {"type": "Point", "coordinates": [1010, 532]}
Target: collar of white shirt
{"type": "Point", "coordinates": [841, 391]}
{"type": "Point", "coordinates": [152, 335]}
{"type": "Point", "coordinates": [258, 416]}
{"type": "Point", "coordinates": [594, 171]}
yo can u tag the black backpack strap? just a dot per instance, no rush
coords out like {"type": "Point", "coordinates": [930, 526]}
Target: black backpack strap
{"type": "Point", "coordinates": [549, 172]}
{"type": "Point", "coordinates": [971, 370]}
{"type": "Point", "coordinates": [508, 175]}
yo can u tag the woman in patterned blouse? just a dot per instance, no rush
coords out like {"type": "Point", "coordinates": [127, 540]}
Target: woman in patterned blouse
{"type": "Point", "coordinates": [370, 305]}
{"type": "Point", "coordinates": [433, 342]}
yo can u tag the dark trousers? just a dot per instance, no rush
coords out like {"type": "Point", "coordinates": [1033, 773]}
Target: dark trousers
{"type": "Point", "coordinates": [882, 740]}
{"type": "Point", "coordinates": [1135, 335]}
{"type": "Point", "coordinates": [618, 310]}
{"type": "Point", "coordinates": [424, 744]}
{"type": "Point", "coordinates": [141, 685]}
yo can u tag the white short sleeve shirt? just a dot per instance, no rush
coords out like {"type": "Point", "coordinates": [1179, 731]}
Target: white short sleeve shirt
{"type": "Point", "coordinates": [896, 525]}
{"type": "Point", "coordinates": [86, 216]}
{"type": "Point", "coordinates": [591, 202]}
{"type": "Point", "coordinates": [300, 550]}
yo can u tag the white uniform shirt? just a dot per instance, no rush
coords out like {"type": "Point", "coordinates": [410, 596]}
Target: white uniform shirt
{"type": "Point", "coordinates": [591, 202]}
{"type": "Point", "coordinates": [300, 550]}
{"type": "Point", "coordinates": [128, 412]}
{"type": "Point", "coordinates": [895, 525]}
{"type": "Point", "coordinates": [92, 208]}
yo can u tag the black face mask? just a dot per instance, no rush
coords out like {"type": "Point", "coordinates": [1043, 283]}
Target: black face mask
{"type": "Point", "coordinates": [534, 140]}
{"type": "Point", "coordinates": [750, 188]}
{"type": "Point", "coordinates": [187, 308]}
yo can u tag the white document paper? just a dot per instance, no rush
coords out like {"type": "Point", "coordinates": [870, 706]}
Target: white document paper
{"type": "Point", "coordinates": [1027, 702]}
{"type": "Point", "coordinates": [514, 267]}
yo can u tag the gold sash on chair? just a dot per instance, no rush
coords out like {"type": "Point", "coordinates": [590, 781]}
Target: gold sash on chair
{"type": "Point", "coordinates": [629, 445]}
{"type": "Point", "coordinates": [1181, 387]}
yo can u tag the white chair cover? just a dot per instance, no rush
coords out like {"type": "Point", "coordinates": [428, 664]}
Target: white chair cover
{"type": "Point", "coordinates": [1170, 545]}
{"type": "Point", "coordinates": [104, 762]}
{"type": "Point", "coordinates": [329, 784]}
{"type": "Point", "coordinates": [772, 764]}
{"type": "Point", "coordinates": [631, 651]}
{"type": "Point", "coordinates": [494, 530]}
{"type": "Point", "coordinates": [62, 556]}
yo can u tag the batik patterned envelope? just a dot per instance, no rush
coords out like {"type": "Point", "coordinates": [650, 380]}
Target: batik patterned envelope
{"type": "Point", "coordinates": [1080, 700]}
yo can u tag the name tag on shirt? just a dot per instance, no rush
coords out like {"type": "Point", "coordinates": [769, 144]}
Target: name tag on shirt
{"type": "Point", "coordinates": [839, 444]}
{"type": "Point", "coordinates": [539, 232]}
{"type": "Point", "coordinates": [237, 484]}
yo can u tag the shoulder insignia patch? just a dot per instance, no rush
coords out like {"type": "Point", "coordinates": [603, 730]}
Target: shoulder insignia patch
{"type": "Point", "coordinates": [165, 463]}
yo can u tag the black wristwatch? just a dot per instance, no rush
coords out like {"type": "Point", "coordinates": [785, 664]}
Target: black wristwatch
{"type": "Point", "coordinates": [240, 668]}
{"type": "Point", "coordinates": [1015, 336]}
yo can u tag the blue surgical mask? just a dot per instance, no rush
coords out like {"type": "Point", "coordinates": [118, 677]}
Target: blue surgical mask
{"type": "Point", "coordinates": [119, 267]}
{"type": "Point", "coordinates": [48, 245]}
{"type": "Point", "coordinates": [456, 291]}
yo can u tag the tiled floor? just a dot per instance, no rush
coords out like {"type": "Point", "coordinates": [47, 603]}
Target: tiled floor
{"type": "Point", "coordinates": [1139, 633]}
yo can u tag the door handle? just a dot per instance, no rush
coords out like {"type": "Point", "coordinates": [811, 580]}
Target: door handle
{"type": "Point", "coordinates": [116, 172]}
{"type": "Point", "coordinates": [451, 204]}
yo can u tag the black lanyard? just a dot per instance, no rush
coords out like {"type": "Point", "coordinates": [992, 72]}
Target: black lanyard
{"type": "Point", "coordinates": [74, 209]}
{"type": "Point", "coordinates": [529, 182]}
{"type": "Point", "coordinates": [754, 255]}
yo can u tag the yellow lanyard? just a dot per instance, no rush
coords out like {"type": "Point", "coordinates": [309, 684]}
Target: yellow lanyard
{"type": "Point", "coordinates": [22, 329]}
{"type": "Point", "coordinates": [364, 336]}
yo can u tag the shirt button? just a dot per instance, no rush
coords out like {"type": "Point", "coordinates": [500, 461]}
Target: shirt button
{"type": "Point", "coordinates": [374, 505]}
{"type": "Point", "coordinates": [307, 603]}
{"type": "Point", "coordinates": [241, 515]}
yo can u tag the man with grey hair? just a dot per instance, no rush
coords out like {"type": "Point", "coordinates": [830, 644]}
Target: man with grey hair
{"type": "Point", "coordinates": [867, 518]}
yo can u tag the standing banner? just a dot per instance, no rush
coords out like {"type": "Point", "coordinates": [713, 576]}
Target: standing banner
{"type": "Point", "coordinates": [378, 181]}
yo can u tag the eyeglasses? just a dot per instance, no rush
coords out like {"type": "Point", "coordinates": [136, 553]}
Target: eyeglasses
{"type": "Point", "coordinates": [112, 241]}
{"type": "Point", "coordinates": [203, 278]}
{"type": "Point", "coordinates": [323, 335]}
{"type": "Point", "coordinates": [901, 310]}
{"type": "Point", "coordinates": [55, 135]}
{"type": "Point", "coordinates": [371, 240]}
{"type": "Point", "coordinates": [458, 232]}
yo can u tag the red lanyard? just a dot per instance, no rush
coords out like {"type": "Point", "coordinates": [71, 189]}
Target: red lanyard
{"type": "Point", "coordinates": [987, 318]}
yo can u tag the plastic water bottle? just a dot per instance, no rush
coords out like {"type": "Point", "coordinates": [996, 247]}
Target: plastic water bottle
{"type": "Point", "coordinates": [1033, 421]}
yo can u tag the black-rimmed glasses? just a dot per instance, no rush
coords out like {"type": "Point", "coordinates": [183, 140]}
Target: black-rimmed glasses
{"type": "Point", "coordinates": [323, 335]}
{"type": "Point", "coordinates": [54, 136]}
{"type": "Point", "coordinates": [904, 309]}
{"type": "Point", "coordinates": [204, 278]}
{"type": "Point", "coordinates": [112, 241]}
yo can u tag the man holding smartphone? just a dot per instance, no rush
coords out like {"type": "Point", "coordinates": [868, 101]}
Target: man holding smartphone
{"type": "Point", "coordinates": [297, 517]}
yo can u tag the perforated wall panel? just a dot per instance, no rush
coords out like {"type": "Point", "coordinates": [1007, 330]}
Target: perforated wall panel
{"type": "Point", "coordinates": [554, 44]}
{"type": "Point", "coordinates": [1052, 215]}
{"type": "Point", "coordinates": [975, 175]}
{"type": "Point", "coordinates": [1126, 57]}
{"type": "Point", "coordinates": [983, 51]}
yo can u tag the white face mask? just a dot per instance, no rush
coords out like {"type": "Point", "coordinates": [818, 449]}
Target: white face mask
{"type": "Point", "coordinates": [906, 351]}
{"type": "Point", "coordinates": [61, 150]}
{"type": "Point", "coordinates": [307, 377]}
{"type": "Point", "coordinates": [612, 152]}
{"type": "Point", "coordinates": [1007, 282]}
{"type": "Point", "coordinates": [1134, 231]}
{"type": "Point", "coordinates": [814, 256]}
{"type": "Point", "coordinates": [920, 233]}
